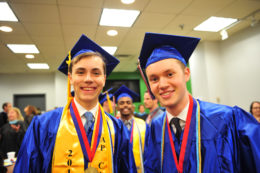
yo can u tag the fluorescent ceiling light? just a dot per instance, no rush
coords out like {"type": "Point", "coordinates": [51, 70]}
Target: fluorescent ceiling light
{"type": "Point", "coordinates": [110, 49]}
{"type": "Point", "coordinates": [115, 17]}
{"type": "Point", "coordinates": [112, 32]}
{"type": "Point", "coordinates": [23, 48]}
{"type": "Point", "coordinates": [215, 24]}
{"type": "Point", "coordinates": [29, 56]}
{"type": "Point", "coordinates": [127, 1]}
{"type": "Point", "coordinates": [6, 13]}
{"type": "Point", "coordinates": [6, 29]}
{"type": "Point", "coordinates": [38, 65]}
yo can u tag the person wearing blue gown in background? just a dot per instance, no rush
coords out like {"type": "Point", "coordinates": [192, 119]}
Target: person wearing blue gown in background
{"type": "Point", "coordinates": [192, 135]}
{"type": "Point", "coordinates": [138, 130]}
{"type": "Point", "coordinates": [80, 137]}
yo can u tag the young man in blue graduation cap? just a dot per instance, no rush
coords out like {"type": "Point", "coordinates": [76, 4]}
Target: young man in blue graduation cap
{"type": "Point", "coordinates": [137, 128]}
{"type": "Point", "coordinates": [80, 137]}
{"type": "Point", "coordinates": [192, 135]}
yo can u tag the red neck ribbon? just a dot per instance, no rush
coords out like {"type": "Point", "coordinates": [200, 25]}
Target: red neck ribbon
{"type": "Point", "coordinates": [179, 165]}
{"type": "Point", "coordinates": [90, 151]}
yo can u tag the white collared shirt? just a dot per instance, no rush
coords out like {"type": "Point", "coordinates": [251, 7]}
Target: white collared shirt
{"type": "Point", "coordinates": [82, 111]}
{"type": "Point", "coordinates": [182, 116]}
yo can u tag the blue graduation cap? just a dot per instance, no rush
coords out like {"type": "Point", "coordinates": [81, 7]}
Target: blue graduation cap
{"type": "Point", "coordinates": [83, 45]}
{"type": "Point", "coordinates": [123, 91]}
{"type": "Point", "coordinates": [103, 96]}
{"type": "Point", "coordinates": [157, 47]}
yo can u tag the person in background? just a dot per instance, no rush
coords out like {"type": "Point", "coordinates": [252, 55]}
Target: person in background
{"type": "Point", "coordinates": [12, 133]}
{"type": "Point", "coordinates": [30, 112]}
{"type": "Point", "coordinates": [193, 135]}
{"type": "Point", "coordinates": [255, 110]}
{"type": "Point", "coordinates": [138, 130]}
{"type": "Point", "coordinates": [152, 105]}
{"type": "Point", "coordinates": [141, 114]}
{"type": "Point", "coordinates": [3, 115]}
{"type": "Point", "coordinates": [106, 102]}
{"type": "Point", "coordinates": [80, 137]}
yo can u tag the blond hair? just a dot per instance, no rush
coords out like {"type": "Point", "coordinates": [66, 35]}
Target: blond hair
{"type": "Point", "coordinates": [17, 110]}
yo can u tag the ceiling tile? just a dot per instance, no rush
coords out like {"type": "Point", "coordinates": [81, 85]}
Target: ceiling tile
{"type": "Point", "coordinates": [36, 13]}
{"type": "Point", "coordinates": [167, 6]}
{"type": "Point", "coordinates": [80, 15]}
{"type": "Point", "coordinates": [154, 20]}
{"type": "Point", "coordinates": [34, 1]}
{"type": "Point", "coordinates": [40, 29]}
{"type": "Point", "coordinates": [81, 3]}
{"type": "Point", "coordinates": [239, 8]}
{"type": "Point", "coordinates": [105, 40]}
{"type": "Point", "coordinates": [184, 23]}
{"type": "Point", "coordinates": [16, 39]}
{"type": "Point", "coordinates": [75, 31]}
{"type": "Point", "coordinates": [117, 4]}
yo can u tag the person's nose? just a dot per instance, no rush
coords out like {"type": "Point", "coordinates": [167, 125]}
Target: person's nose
{"type": "Point", "coordinates": [163, 83]}
{"type": "Point", "coordinates": [88, 78]}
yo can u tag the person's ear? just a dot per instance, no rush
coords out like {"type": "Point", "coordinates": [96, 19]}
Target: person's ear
{"type": "Point", "coordinates": [187, 74]}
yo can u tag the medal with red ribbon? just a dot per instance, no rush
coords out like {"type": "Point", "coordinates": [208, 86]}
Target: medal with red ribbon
{"type": "Point", "coordinates": [87, 150]}
{"type": "Point", "coordinates": [179, 164]}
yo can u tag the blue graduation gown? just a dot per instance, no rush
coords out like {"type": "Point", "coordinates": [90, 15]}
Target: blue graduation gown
{"type": "Point", "coordinates": [131, 156]}
{"type": "Point", "coordinates": [230, 140]}
{"type": "Point", "coordinates": [35, 154]}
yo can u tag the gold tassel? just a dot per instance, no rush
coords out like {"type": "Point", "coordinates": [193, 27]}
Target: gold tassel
{"type": "Point", "coordinates": [109, 104]}
{"type": "Point", "coordinates": [69, 96]}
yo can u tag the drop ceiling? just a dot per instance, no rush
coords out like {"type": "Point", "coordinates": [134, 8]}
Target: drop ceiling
{"type": "Point", "coordinates": [55, 25]}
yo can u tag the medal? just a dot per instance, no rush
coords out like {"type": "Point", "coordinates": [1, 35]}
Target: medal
{"type": "Point", "coordinates": [91, 170]}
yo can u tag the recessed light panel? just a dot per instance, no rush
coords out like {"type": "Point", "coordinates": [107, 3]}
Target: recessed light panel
{"type": "Point", "coordinates": [116, 17]}
{"type": "Point", "coordinates": [38, 65]}
{"type": "Point", "coordinates": [23, 48]}
{"type": "Point", "coordinates": [215, 24]}
{"type": "Point", "coordinates": [6, 13]}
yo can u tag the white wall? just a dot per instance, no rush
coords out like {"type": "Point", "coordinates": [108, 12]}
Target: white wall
{"type": "Point", "coordinates": [60, 89]}
{"type": "Point", "coordinates": [232, 69]}
{"type": "Point", "coordinates": [27, 84]}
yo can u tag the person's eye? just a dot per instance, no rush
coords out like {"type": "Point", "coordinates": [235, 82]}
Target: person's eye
{"type": "Point", "coordinates": [80, 72]}
{"type": "Point", "coordinates": [153, 79]}
{"type": "Point", "coordinates": [170, 74]}
{"type": "Point", "coordinates": [97, 73]}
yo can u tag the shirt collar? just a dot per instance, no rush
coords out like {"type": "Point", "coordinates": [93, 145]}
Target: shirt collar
{"type": "Point", "coordinates": [82, 110]}
{"type": "Point", "coordinates": [182, 115]}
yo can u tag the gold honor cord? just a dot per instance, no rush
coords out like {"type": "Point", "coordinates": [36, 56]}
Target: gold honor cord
{"type": "Point", "coordinates": [68, 155]}
{"type": "Point", "coordinates": [139, 129]}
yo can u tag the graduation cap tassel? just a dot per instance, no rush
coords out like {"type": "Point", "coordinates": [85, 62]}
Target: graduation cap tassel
{"type": "Point", "coordinates": [109, 104]}
{"type": "Point", "coordinates": [68, 84]}
{"type": "Point", "coordinates": [145, 81]}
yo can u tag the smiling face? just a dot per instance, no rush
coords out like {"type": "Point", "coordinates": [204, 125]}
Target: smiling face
{"type": "Point", "coordinates": [125, 107]}
{"type": "Point", "coordinates": [167, 79]}
{"type": "Point", "coordinates": [88, 79]}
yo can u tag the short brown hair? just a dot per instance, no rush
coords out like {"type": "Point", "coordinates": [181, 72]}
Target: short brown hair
{"type": "Point", "coordinates": [85, 55]}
